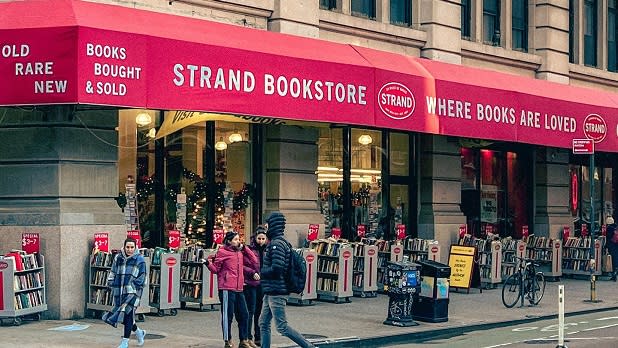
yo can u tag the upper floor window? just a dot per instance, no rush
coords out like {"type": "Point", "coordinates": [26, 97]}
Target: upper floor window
{"type": "Point", "coordinates": [491, 22]}
{"type": "Point", "coordinates": [572, 35]}
{"type": "Point", "coordinates": [364, 8]}
{"type": "Point", "coordinates": [590, 32]}
{"type": "Point", "coordinates": [612, 31]}
{"type": "Point", "coordinates": [401, 12]}
{"type": "Point", "coordinates": [328, 4]}
{"type": "Point", "coordinates": [520, 25]}
{"type": "Point", "coordinates": [466, 18]}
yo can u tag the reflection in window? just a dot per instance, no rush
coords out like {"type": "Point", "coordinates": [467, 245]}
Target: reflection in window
{"type": "Point", "coordinates": [401, 12]}
{"type": "Point", "coordinates": [590, 32]}
{"type": "Point", "coordinates": [330, 176]}
{"type": "Point", "coordinates": [612, 32]}
{"type": "Point", "coordinates": [364, 8]}
{"type": "Point", "coordinates": [466, 17]}
{"type": "Point", "coordinates": [520, 25]}
{"type": "Point", "coordinates": [491, 22]}
{"type": "Point", "coordinates": [572, 35]}
{"type": "Point", "coordinates": [328, 4]}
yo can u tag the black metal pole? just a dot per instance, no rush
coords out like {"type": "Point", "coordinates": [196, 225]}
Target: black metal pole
{"type": "Point", "coordinates": [209, 180]}
{"type": "Point", "coordinates": [386, 184]}
{"type": "Point", "coordinates": [346, 221]}
{"type": "Point", "coordinates": [257, 135]}
{"type": "Point", "coordinates": [159, 189]}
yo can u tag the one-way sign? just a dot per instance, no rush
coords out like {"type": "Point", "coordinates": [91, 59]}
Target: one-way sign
{"type": "Point", "coordinates": [583, 146]}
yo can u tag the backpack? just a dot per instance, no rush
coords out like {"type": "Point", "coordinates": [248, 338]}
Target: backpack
{"type": "Point", "coordinates": [297, 272]}
{"type": "Point", "coordinates": [615, 237]}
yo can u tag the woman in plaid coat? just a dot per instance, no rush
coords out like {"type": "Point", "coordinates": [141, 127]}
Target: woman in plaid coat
{"type": "Point", "coordinates": [126, 278]}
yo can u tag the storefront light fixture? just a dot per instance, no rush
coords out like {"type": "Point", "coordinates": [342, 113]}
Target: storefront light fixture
{"type": "Point", "coordinates": [152, 133]}
{"type": "Point", "coordinates": [365, 139]}
{"type": "Point", "coordinates": [328, 169]}
{"type": "Point", "coordinates": [143, 119]}
{"type": "Point", "coordinates": [235, 137]}
{"type": "Point", "coordinates": [221, 145]}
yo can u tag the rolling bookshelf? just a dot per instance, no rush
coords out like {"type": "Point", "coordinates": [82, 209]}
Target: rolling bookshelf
{"type": "Point", "coordinates": [576, 256]}
{"type": "Point", "coordinates": [511, 248]}
{"type": "Point", "coordinates": [164, 290]}
{"type": "Point", "coordinates": [365, 273]}
{"type": "Point", "coordinates": [100, 297]}
{"type": "Point", "coordinates": [22, 284]}
{"type": "Point", "coordinates": [310, 292]}
{"type": "Point", "coordinates": [197, 283]}
{"type": "Point", "coordinates": [421, 249]}
{"type": "Point", "coordinates": [334, 274]}
{"type": "Point", "coordinates": [547, 253]}
{"type": "Point", "coordinates": [489, 256]}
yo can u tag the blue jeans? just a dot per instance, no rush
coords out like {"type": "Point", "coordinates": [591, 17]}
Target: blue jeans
{"type": "Point", "coordinates": [273, 306]}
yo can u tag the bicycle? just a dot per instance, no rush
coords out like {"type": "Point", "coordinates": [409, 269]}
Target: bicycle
{"type": "Point", "coordinates": [525, 283]}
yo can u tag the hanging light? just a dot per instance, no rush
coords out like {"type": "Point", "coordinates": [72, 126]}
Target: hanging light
{"type": "Point", "coordinates": [152, 133]}
{"type": "Point", "coordinates": [221, 145]}
{"type": "Point", "coordinates": [235, 137]}
{"type": "Point", "coordinates": [143, 119]}
{"type": "Point", "coordinates": [365, 139]}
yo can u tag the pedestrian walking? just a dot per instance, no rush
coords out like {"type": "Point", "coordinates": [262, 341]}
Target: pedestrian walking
{"type": "Point", "coordinates": [612, 244]}
{"type": "Point", "coordinates": [276, 260]}
{"type": "Point", "coordinates": [126, 278]}
{"type": "Point", "coordinates": [227, 263]}
{"type": "Point", "coordinates": [253, 289]}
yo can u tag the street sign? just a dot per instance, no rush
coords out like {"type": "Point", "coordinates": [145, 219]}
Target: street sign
{"type": "Point", "coordinates": [583, 146]}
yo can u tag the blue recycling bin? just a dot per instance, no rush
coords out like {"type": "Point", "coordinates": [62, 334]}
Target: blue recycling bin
{"type": "Point", "coordinates": [402, 284]}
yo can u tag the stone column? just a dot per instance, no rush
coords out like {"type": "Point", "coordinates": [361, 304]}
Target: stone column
{"type": "Point", "coordinates": [551, 39]}
{"type": "Point", "coordinates": [298, 17]}
{"type": "Point", "coordinates": [441, 19]}
{"type": "Point", "coordinates": [551, 192]}
{"type": "Point", "coordinates": [58, 178]}
{"type": "Point", "coordinates": [290, 182]}
{"type": "Point", "coordinates": [440, 191]}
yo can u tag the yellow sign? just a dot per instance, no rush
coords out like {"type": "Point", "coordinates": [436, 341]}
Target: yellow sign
{"type": "Point", "coordinates": [177, 120]}
{"type": "Point", "coordinates": [461, 260]}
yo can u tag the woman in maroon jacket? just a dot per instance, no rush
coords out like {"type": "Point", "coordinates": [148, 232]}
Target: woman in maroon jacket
{"type": "Point", "coordinates": [253, 289]}
{"type": "Point", "coordinates": [228, 263]}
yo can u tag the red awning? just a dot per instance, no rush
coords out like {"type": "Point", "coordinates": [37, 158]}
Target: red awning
{"type": "Point", "coordinates": [68, 51]}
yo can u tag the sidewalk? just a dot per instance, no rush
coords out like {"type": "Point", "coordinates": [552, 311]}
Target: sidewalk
{"type": "Point", "coordinates": [359, 320]}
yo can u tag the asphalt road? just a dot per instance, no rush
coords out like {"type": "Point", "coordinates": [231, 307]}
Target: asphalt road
{"type": "Point", "coordinates": [598, 330]}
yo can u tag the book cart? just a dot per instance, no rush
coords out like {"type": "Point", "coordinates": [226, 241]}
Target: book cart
{"type": "Point", "coordinates": [100, 298]}
{"type": "Point", "coordinates": [334, 276]}
{"type": "Point", "coordinates": [489, 256]}
{"type": "Point", "coordinates": [365, 273]}
{"type": "Point", "coordinates": [547, 253]}
{"type": "Point", "coordinates": [421, 249]}
{"type": "Point", "coordinates": [511, 248]}
{"type": "Point", "coordinates": [197, 283]}
{"type": "Point", "coordinates": [164, 291]}
{"type": "Point", "coordinates": [22, 287]}
{"type": "Point", "coordinates": [310, 292]}
{"type": "Point", "coordinates": [576, 256]}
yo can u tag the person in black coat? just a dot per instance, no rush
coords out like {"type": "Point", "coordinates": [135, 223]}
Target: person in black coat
{"type": "Point", "coordinates": [612, 246]}
{"type": "Point", "coordinates": [272, 278]}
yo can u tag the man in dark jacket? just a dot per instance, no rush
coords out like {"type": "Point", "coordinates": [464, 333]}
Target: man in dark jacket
{"type": "Point", "coordinates": [273, 273]}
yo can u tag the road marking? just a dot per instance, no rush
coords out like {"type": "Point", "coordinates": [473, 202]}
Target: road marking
{"type": "Point", "coordinates": [608, 318]}
{"type": "Point", "coordinates": [600, 327]}
{"type": "Point", "coordinates": [526, 328]}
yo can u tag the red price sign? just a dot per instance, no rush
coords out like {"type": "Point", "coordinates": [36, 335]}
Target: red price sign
{"type": "Point", "coordinates": [312, 234]}
{"type": "Point", "coordinates": [30, 242]}
{"type": "Point", "coordinates": [135, 235]}
{"type": "Point", "coordinates": [604, 230]}
{"type": "Point", "coordinates": [463, 230]}
{"type": "Point", "coordinates": [489, 229]}
{"type": "Point", "coordinates": [101, 242]}
{"type": "Point", "coordinates": [584, 230]}
{"type": "Point", "coordinates": [401, 231]}
{"type": "Point", "coordinates": [566, 232]}
{"type": "Point", "coordinates": [217, 236]}
{"type": "Point", "coordinates": [361, 230]}
{"type": "Point", "coordinates": [524, 231]}
{"type": "Point", "coordinates": [336, 232]}
{"type": "Point", "coordinates": [173, 239]}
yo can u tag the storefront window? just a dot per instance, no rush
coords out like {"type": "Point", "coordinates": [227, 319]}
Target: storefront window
{"type": "Point", "coordinates": [366, 177]}
{"type": "Point", "coordinates": [330, 177]}
{"type": "Point", "coordinates": [494, 197]}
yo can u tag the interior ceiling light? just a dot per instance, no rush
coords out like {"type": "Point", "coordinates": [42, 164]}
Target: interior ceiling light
{"type": "Point", "coordinates": [235, 137]}
{"type": "Point", "coordinates": [221, 145]}
{"type": "Point", "coordinates": [365, 139]}
{"type": "Point", "coordinates": [143, 119]}
{"type": "Point", "coordinates": [152, 133]}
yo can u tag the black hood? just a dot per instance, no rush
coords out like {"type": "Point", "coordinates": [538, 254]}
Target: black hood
{"type": "Point", "coordinates": [276, 225]}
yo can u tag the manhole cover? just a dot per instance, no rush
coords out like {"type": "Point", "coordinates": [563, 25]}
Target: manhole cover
{"type": "Point", "coordinates": [314, 336]}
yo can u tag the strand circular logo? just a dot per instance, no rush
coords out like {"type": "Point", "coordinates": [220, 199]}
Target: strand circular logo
{"type": "Point", "coordinates": [595, 128]}
{"type": "Point", "coordinates": [396, 101]}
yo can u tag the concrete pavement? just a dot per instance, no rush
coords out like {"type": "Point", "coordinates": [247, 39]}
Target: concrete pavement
{"type": "Point", "coordinates": [355, 324]}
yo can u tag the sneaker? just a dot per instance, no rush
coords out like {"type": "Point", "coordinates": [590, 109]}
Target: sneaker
{"type": "Point", "coordinates": [228, 344]}
{"type": "Point", "coordinates": [140, 334]}
{"type": "Point", "coordinates": [124, 343]}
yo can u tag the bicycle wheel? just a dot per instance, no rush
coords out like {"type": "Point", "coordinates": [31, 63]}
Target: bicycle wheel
{"type": "Point", "coordinates": [511, 290]}
{"type": "Point", "coordinates": [537, 289]}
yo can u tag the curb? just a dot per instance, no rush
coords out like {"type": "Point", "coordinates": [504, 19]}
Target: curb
{"type": "Point", "coordinates": [425, 335]}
